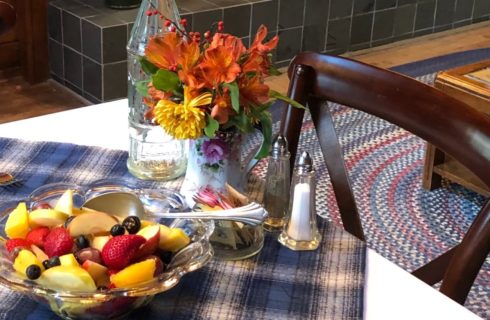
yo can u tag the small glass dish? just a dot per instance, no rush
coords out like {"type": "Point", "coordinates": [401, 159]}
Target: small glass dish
{"type": "Point", "coordinates": [113, 303]}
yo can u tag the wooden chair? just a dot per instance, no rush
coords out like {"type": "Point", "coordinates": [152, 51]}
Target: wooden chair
{"type": "Point", "coordinates": [425, 111]}
{"type": "Point", "coordinates": [7, 17]}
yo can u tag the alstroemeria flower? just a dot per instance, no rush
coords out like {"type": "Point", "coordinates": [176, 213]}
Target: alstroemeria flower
{"type": "Point", "coordinates": [256, 62]}
{"type": "Point", "coordinates": [222, 110]}
{"type": "Point", "coordinates": [259, 37]}
{"type": "Point", "coordinates": [164, 51]}
{"type": "Point", "coordinates": [190, 73]}
{"type": "Point", "coordinates": [219, 66]}
{"type": "Point", "coordinates": [231, 43]}
{"type": "Point", "coordinates": [253, 91]}
{"type": "Point", "coordinates": [185, 120]}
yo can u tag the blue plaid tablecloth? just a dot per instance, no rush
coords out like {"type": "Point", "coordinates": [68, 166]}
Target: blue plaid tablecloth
{"type": "Point", "coordinates": [275, 284]}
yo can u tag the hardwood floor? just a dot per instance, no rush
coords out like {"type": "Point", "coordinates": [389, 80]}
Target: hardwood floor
{"type": "Point", "coordinates": [474, 36]}
{"type": "Point", "coordinates": [19, 100]}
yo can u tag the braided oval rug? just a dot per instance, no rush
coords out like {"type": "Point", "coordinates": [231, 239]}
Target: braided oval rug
{"type": "Point", "coordinates": [403, 222]}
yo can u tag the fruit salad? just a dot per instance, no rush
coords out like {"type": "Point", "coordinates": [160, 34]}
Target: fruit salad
{"type": "Point", "coordinates": [83, 250]}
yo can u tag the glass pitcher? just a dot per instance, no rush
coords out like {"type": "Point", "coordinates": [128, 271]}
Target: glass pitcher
{"type": "Point", "coordinates": [153, 154]}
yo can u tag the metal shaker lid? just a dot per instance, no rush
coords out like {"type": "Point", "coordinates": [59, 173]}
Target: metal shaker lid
{"type": "Point", "coordinates": [279, 147]}
{"type": "Point", "coordinates": [305, 163]}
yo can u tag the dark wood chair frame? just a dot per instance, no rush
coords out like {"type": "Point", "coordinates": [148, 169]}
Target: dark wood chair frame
{"type": "Point", "coordinates": [447, 123]}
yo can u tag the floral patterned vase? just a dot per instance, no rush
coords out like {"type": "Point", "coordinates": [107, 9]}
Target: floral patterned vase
{"type": "Point", "coordinates": [212, 162]}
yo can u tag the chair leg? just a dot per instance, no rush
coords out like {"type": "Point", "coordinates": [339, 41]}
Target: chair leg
{"type": "Point", "coordinates": [433, 157]}
{"type": "Point", "coordinates": [434, 271]}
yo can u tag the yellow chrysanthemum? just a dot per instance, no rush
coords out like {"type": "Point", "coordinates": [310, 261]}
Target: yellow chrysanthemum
{"type": "Point", "coordinates": [185, 120]}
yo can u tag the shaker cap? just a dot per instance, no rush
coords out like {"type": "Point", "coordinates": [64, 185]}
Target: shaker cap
{"type": "Point", "coordinates": [305, 163]}
{"type": "Point", "coordinates": [279, 147]}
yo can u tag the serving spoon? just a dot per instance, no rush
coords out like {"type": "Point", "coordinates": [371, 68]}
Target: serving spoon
{"type": "Point", "coordinates": [123, 204]}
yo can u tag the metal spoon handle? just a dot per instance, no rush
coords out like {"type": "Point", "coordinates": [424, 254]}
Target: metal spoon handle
{"type": "Point", "coordinates": [252, 213]}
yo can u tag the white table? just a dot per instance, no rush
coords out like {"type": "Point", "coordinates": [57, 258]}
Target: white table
{"type": "Point", "coordinates": [390, 293]}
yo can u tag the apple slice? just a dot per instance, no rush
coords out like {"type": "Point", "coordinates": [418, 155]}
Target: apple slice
{"type": "Point", "coordinates": [47, 218]}
{"type": "Point", "coordinates": [98, 272]}
{"type": "Point", "coordinates": [40, 254]}
{"type": "Point", "coordinates": [67, 278]}
{"type": "Point", "coordinates": [65, 203]}
{"type": "Point", "coordinates": [152, 236]}
{"type": "Point", "coordinates": [69, 260]}
{"type": "Point", "coordinates": [173, 240]}
{"type": "Point", "coordinates": [91, 223]}
{"type": "Point", "coordinates": [98, 242]}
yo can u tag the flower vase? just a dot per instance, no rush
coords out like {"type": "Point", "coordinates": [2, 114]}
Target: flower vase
{"type": "Point", "coordinates": [213, 162]}
{"type": "Point", "coordinates": [153, 154]}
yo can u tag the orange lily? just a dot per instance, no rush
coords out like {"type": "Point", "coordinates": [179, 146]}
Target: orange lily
{"type": "Point", "coordinates": [231, 43]}
{"type": "Point", "coordinates": [164, 51]}
{"type": "Point", "coordinates": [190, 73]}
{"type": "Point", "coordinates": [218, 66]}
{"type": "Point", "coordinates": [221, 110]}
{"type": "Point", "coordinates": [259, 37]}
{"type": "Point", "coordinates": [253, 91]}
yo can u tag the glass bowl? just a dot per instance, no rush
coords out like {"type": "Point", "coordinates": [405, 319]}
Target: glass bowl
{"type": "Point", "coordinates": [113, 303]}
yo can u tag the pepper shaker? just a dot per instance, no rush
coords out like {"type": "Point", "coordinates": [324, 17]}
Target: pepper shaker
{"type": "Point", "coordinates": [277, 185]}
{"type": "Point", "coordinates": [300, 231]}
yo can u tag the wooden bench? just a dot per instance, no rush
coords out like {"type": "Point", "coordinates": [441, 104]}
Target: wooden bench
{"type": "Point", "coordinates": [470, 84]}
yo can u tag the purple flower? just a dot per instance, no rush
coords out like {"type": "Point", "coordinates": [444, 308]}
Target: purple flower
{"type": "Point", "coordinates": [215, 150]}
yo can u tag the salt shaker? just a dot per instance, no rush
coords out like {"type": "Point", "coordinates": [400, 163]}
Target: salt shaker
{"type": "Point", "coordinates": [277, 185]}
{"type": "Point", "coordinates": [300, 231]}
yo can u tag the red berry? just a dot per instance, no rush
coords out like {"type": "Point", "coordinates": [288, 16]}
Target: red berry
{"type": "Point", "coordinates": [172, 28]}
{"type": "Point", "coordinates": [221, 23]}
{"type": "Point", "coordinates": [38, 236]}
{"type": "Point", "coordinates": [155, 12]}
{"type": "Point", "coordinates": [58, 242]}
{"type": "Point", "coordinates": [162, 17]}
{"type": "Point", "coordinates": [119, 251]}
{"type": "Point", "coordinates": [220, 28]}
{"type": "Point", "coordinates": [149, 13]}
{"type": "Point", "coordinates": [207, 34]}
{"type": "Point", "coordinates": [11, 244]}
{"type": "Point", "coordinates": [167, 23]}
{"type": "Point", "coordinates": [183, 22]}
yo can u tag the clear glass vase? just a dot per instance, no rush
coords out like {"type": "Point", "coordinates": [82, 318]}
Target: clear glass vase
{"type": "Point", "coordinates": [153, 154]}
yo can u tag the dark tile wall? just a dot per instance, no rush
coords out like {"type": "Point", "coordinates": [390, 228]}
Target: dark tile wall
{"type": "Point", "coordinates": [87, 40]}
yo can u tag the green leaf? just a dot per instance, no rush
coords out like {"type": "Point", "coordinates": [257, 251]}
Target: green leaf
{"type": "Point", "coordinates": [211, 127]}
{"type": "Point", "coordinates": [234, 94]}
{"type": "Point", "coordinates": [273, 71]}
{"type": "Point", "coordinates": [165, 80]}
{"type": "Point", "coordinates": [265, 119]}
{"type": "Point", "coordinates": [280, 96]}
{"type": "Point", "coordinates": [148, 67]}
{"type": "Point", "coordinates": [142, 87]}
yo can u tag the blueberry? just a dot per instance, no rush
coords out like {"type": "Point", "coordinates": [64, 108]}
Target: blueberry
{"type": "Point", "coordinates": [117, 230]}
{"type": "Point", "coordinates": [33, 272]}
{"type": "Point", "coordinates": [82, 242]}
{"type": "Point", "coordinates": [52, 262]}
{"type": "Point", "coordinates": [132, 224]}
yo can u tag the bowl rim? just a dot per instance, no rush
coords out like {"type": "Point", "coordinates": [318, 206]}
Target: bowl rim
{"type": "Point", "coordinates": [165, 281]}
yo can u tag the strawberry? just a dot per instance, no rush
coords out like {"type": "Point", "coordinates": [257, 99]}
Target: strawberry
{"type": "Point", "coordinates": [119, 251]}
{"type": "Point", "coordinates": [11, 244]}
{"type": "Point", "coordinates": [37, 236]}
{"type": "Point", "coordinates": [58, 242]}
